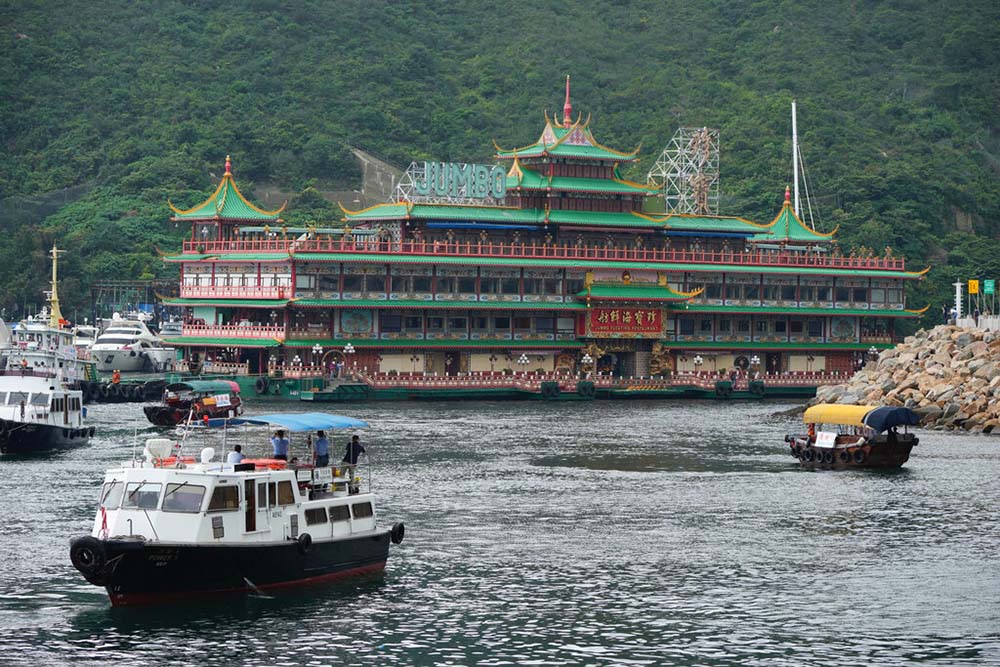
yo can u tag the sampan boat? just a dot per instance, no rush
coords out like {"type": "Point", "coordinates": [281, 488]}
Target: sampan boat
{"type": "Point", "coordinates": [855, 436]}
{"type": "Point", "coordinates": [195, 400]}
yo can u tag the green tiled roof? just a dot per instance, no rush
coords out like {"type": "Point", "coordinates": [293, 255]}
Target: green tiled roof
{"type": "Point", "coordinates": [604, 219]}
{"type": "Point", "coordinates": [711, 223]}
{"type": "Point", "coordinates": [413, 303]}
{"type": "Point", "coordinates": [223, 342]}
{"type": "Point", "coordinates": [226, 203]}
{"type": "Point", "coordinates": [788, 227]}
{"type": "Point", "coordinates": [492, 214]}
{"type": "Point", "coordinates": [222, 303]}
{"type": "Point", "coordinates": [640, 292]}
{"type": "Point", "coordinates": [372, 258]}
{"type": "Point", "coordinates": [574, 141]}
{"type": "Point", "coordinates": [532, 180]}
{"type": "Point", "coordinates": [436, 343]}
{"type": "Point", "coordinates": [780, 310]}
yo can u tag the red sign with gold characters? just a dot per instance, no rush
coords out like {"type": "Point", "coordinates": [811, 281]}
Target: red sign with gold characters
{"type": "Point", "coordinates": [626, 320]}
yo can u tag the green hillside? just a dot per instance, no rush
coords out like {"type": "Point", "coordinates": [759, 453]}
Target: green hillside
{"type": "Point", "coordinates": [111, 107]}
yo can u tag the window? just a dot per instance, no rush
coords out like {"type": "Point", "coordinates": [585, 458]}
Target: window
{"type": "Point", "coordinates": [422, 284]}
{"type": "Point", "coordinates": [796, 326]}
{"type": "Point", "coordinates": [391, 323]}
{"type": "Point", "coordinates": [725, 326]}
{"type": "Point", "coordinates": [509, 286]}
{"type": "Point", "coordinates": [286, 496]}
{"type": "Point", "coordinates": [361, 510]}
{"type": "Point", "coordinates": [305, 282]}
{"type": "Point", "coordinates": [551, 286]}
{"type": "Point", "coordinates": [751, 292]}
{"type": "Point", "coordinates": [574, 286]}
{"type": "Point", "coordinates": [894, 296]}
{"type": "Point", "coordinates": [843, 294]}
{"type": "Point", "coordinates": [743, 326]}
{"type": "Point", "coordinates": [401, 284]}
{"type": "Point", "coordinates": [686, 327]}
{"type": "Point", "coordinates": [339, 513]}
{"type": "Point", "coordinates": [822, 293]}
{"type": "Point", "coordinates": [374, 283]}
{"type": "Point", "coordinates": [878, 295]}
{"type": "Point", "coordinates": [352, 283]}
{"type": "Point", "coordinates": [413, 322]}
{"type": "Point", "coordinates": [457, 324]}
{"type": "Point", "coordinates": [224, 498]}
{"type": "Point", "coordinates": [183, 497]}
{"type": "Point", "coordinates": [467, 285]}
{"type": "Point", "coordinates": [545, 324]}
{"type": "Point", "coordinates": [501, 323]}
{"type": "Point", "coordinates": [859, 295]}
{"type": "Point", "coordinates": [522, 324]}
{"type": "Point", "coordinates": [816, 328]}
{"type": "Point", "coordinates": [141, 495]}
{"type": "Point", "coordinates": [771, 292]}
{"type": "Point", "coordinates": [329, 283]}
{"type": "Point", "coordinates": [713, 291]}
{"type": "Point", "coordinates": [435, 323]}
{"type": "Point", "coordinates": [315, 515]}
{"type": "Point", "coordinates": [706, 326]}
{"type": "Point", "coordinates": [780, 326]}
{"type": "Point", "coordinates": [788, 292]}
{"type": "Point", "coordinates": [481, 323]}
{"type": "Point", "coordinates": [43, 399]}
{"type": "Point", "coordinates": [761, 326]}
{"type": "Point", "coordinates": [111, 494]}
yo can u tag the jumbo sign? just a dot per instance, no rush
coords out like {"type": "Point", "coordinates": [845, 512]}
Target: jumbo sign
{"type": "Point", "coordinates": [452, 179]}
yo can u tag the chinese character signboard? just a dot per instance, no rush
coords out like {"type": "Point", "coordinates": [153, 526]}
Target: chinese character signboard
{"type": "Point", "coordinates": [973, 287]}
{"type": "Point", "coordinates": [636, 321]}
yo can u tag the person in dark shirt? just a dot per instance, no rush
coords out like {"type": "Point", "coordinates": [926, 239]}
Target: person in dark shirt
{"type": "Point", "coordinates": [351, 454]}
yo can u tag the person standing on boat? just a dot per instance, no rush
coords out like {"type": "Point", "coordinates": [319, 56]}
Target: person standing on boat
{"type": "Point", "coordinates": [279, 446]}
{"type": "Point", "coordinates": [116, 377]}
{"type": "Point", "coordinates": [354, 450]}
{"type": "Point", "coordinates": [321, 452]}
{"type": "Point", "coordinates": [236, 456]}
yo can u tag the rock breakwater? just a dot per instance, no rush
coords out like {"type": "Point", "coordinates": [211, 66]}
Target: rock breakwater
{"type": "Point", "coordinates": [950, 376]}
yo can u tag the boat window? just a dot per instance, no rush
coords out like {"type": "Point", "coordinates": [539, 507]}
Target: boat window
{"type": "Point", "coordinates": [224, 498]}
{"type": "Point", "coordinates": [41, 399]}
{"type": "Point", "coordinates": [141, 495]}
{"type": "Point", "coordinates": [315, 515]}
{"type": "Point", "coordinates": [285, 494]}
{"type": "Point", "coordinates": [111, 494]}
{"type": "Point", "coordinates": [361, 510]}
{"type": "Point", "coordinates": [339, 513]}
{"type": "Point", "coordinates": [183, 497]}
{"type": "Point", "coordinates": [3, 397]}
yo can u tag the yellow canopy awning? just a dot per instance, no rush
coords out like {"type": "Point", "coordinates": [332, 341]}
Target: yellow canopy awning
{"type": "Point", "coordinates": [826, 413]}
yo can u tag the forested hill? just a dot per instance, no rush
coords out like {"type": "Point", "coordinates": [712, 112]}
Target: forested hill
{"type": "Point", "coordinates": [111, 107]}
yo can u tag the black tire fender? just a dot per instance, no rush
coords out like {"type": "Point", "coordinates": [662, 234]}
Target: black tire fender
{"type": "Point", "coordinates": [304, 543]}
{"type": "Point", "coordinates": [859, 456]}
{"type": "Point", "coordinates": [397, 533]}
{"type": "Point", "coordinates": [88, 555]}
{"type": "Point", "coordinates": [260, 386]}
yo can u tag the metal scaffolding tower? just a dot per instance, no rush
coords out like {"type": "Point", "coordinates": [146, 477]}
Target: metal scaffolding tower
{"type": "Point", "coordinates": [687, 171]}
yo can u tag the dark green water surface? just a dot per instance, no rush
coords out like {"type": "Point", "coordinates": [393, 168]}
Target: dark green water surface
{"type": "Point", "coordinates": [604, 533]}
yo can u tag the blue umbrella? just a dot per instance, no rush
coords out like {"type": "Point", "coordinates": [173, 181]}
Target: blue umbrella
{"type": "Point", "coordinates": [881, 419]}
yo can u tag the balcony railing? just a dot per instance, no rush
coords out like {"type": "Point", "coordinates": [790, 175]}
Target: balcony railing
{"type": "Point", "coordinates": [551, 251]}
{"type": "Point", "coordinates": [230, 292]}
{"type": "Point", "coordinates": [233, 331]}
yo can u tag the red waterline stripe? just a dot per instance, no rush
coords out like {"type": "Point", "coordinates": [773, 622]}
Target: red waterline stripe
{"type": "Point", "coordinates": [136, 599]}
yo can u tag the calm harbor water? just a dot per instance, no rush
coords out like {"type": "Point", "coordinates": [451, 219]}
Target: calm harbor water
{"type": "Point", "coordinates": [605, 533]}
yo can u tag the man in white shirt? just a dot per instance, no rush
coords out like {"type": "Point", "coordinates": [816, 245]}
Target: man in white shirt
{"type": "Point", "coordinates": [236, 456]}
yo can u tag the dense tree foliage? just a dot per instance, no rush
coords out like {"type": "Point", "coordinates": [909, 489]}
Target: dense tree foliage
{"type": "Point", "coordinates": [125, 104]}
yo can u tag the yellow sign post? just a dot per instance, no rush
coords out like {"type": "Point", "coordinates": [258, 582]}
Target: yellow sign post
{"type": "Point", "coordinates": [973, 287]}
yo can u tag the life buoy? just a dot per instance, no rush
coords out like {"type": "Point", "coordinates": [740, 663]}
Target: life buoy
{"type": "Point", "coordinates": [305, 543]}
{"type": "Point", "coordinates": [859, 456]}
{"type": "Point", "coordinates": [260, 386]}
{"type": "Point", "coordinates": [89, 557]}
{"type": "Point", "coordinates": [586, 389]}
{"type": "Point", "coordinates": [397, 533]}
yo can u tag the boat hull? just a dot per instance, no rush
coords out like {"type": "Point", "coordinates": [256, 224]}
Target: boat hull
{"type": "Point", "coordinates": [872, 455]}
{"type": "Point", "coordinates": [29, 438]}
{"type": "Point", "coordinates": [162, 415]}
{"type": "Point", "coordinates": [138, 573]}
{"type": "Point", "coordinates": [129, 361]}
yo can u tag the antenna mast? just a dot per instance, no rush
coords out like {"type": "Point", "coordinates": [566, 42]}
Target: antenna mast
{"type": "Point", "coordinates": [55, 316]}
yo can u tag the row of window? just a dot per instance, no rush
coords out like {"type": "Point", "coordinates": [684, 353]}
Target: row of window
{"type": "Point", "coordinates": [59, 404]}
{"type": "Point", "coordinates": [806, 293]}
{"type": "Point", "coordinates": [811, 327]}
{"type": "Point", "coordinates": [392, 323]}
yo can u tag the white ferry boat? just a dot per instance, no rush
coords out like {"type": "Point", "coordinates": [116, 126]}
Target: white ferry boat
{"type": "Point", "coordinates": [129, 345]}
{"type": "Point", "coordinates": [171, 528]}
{"type": "Point", "coordinates": [37, 413]}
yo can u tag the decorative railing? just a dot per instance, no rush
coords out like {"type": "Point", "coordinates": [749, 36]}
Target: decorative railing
{"type": "Point", "coordinates": [550, 251]}
{"type": "Point", "coordinates": [233, 331]}
{"type": "Point", "coordinates": [215, 367]}
{"type": "Point", "coordinates": [229, 292]}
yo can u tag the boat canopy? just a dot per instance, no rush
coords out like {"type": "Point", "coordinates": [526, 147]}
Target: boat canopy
{"type": "Point", "coordinates": [206, 386]}
{"type": "Point", "coordinates": [294, 421]}
{"type": "Point", "coordinates": [876, 418]}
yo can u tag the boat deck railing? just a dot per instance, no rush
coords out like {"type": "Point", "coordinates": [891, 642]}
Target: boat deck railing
{"type": "Point", "coordinates": [517, 251]}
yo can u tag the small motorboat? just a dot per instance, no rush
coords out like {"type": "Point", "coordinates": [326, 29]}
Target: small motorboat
{"type": "Point", "coordinates": [196, 400]}
{"type": "Point", "coordinates": [171, 527]}
{"type": "Point", "coordinates": [857, 436]}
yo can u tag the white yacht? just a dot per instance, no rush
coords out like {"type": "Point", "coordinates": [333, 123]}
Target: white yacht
{"type": "Point", "coordinates": [129, 345]}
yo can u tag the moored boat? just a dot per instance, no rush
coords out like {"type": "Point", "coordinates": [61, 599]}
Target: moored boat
{"type": "Point", "coordinates": [195, 400]}
{"type": "Point", "coordinates": [170, 527]}
{"type": "Point", "coordinates": [38, 413]}
{"type": "Point", "coordinates": [856, 436]}
{"type": "Point", "coordinates": [128, 346]}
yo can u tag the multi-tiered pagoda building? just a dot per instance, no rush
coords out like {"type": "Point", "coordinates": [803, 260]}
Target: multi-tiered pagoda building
{"type": "Point", "coordinates": [569, 265]}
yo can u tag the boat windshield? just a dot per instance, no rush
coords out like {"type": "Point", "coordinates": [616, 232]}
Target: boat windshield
{"type": "Point", "coordinates": [17, 397]}
{"type": "Point", "coordinates": [183, 497]}
{"type": "Point", "coordinates": [40, 399]}
{"type": "Point", "coordinates": [111, 493]}
{"type": "Point", "coordinates": [142, 495]}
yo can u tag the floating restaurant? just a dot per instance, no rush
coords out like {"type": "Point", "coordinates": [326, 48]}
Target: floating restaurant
{"type": "Point", "coordinates": [548, 265]}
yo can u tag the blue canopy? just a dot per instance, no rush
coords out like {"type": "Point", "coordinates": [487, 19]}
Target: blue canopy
{"type": "Point", "coordinates": [881, 419]}
{"type": "Point", "coordinates": [294, 421]}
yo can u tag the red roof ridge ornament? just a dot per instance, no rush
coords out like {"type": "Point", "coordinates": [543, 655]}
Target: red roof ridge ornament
{"type": "Point", "coordinates": [788, 194]}
{"type": "Point", "coordinates": [567, 107]}
{"type": "Point", "coordinates": [229, 166]}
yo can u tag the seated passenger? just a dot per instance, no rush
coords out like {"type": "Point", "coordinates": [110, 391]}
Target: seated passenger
{"type": "Point", "coordinates": [236, 456]}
